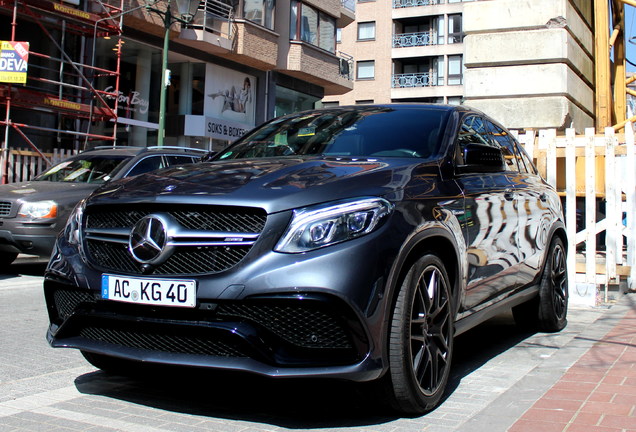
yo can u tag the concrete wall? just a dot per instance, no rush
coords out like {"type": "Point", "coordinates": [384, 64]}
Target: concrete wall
{"type": "Point", "coordinates": [529, 63]}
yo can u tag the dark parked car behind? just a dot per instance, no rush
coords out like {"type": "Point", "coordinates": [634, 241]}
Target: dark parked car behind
{"type": "Point", "coordinates": [350, 243]}
{"type": "Point", "coordinates": [32, 213]}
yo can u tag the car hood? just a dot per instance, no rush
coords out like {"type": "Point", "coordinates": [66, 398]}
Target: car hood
{"type": "Point", "coordinates": [273, 184]}
{"type": "Point", "coordinates": [45, 190]}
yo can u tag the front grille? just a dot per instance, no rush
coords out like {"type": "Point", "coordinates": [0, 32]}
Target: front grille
{"type": "Point", "coordinates": [67, 301]}
{"type": "Point", "coordinates": [306, 326]}
{"type": "Point", "coordinates": [152, 339]}
{"type": "Point", "coordinates": [184, 261]}
{"type": "Point", "coordinates": [5, 208]}
{"type": "Point", "coordinates": [235, 230]}
{"type": "Point", "coordinates": [208, 218]}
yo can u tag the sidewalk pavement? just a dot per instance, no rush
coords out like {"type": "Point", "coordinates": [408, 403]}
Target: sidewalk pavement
{"type": "Point", "coordinates": [598, 393]}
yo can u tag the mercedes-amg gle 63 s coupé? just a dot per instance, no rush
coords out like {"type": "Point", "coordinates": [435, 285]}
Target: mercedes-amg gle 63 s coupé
{"type": "Point", "coordinates": [351, 243]}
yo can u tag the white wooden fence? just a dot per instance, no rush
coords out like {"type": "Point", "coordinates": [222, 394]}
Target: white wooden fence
{"type": "Point", "coordinates": [597, 172]}
{"type": "Point", "coordinates": [23, 165]}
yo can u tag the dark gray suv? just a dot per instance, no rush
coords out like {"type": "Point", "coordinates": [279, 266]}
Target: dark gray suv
{"type": "Point", "coordinates": [350, 243]}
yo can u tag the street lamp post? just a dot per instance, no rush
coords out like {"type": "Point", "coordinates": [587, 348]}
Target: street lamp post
{"type": "Point", "coordinates": [187, 9]}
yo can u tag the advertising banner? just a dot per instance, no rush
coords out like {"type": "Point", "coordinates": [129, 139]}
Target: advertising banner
{"type": "Point", "coordinates": [230, 106]}
{"type": "Point", "coordinates": [14, 60]}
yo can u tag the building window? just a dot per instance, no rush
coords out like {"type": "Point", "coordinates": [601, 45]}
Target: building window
{"type": "Point", "coordinates": [366, 31]}
{"type": "Point", "coordinates": [260, 11]}
{"type": "Point", "coordinates": [338, 35]}
{"type": "Point", "coordinates": [440, 30]}
{"type": "Point", "coordinates": [364, 102]}
{"type": "Point", "coordinates": [331, 104]}
{"type": "Point", "coordinates": [455, 29]}
{"type": "Point", "coordinates": [310, 25]}
{"type": "Point", "coordinates": [455, 70]}
{"type": "Point", "coordinates": [365, 70]}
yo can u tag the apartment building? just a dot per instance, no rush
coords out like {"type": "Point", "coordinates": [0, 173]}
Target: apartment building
{"type": "Point", "coordinates": [528, 63]}
{"type": "Point", "coordinates": [405, 51]}
{"type": "Point", "coordinates": [95, 69]}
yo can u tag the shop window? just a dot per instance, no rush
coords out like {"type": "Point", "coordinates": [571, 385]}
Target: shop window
{"type": "Point", "coordinates": [366, 31]}
{"type": "Point", "coordinates": [310, 25]}
{"type": "Point", "coordinates": [289, 101]}
{"type": "Point", "coordinates": [365, 70]}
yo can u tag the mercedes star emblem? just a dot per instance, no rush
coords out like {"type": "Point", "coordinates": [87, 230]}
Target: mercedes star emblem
{"type": "Point", "coordinates": [148, 239]}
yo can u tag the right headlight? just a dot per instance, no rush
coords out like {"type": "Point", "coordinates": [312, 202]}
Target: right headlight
{"type": "Point", "coordinates": [324, 225]}
{"type": "Point", "coordinates": [74, 225]}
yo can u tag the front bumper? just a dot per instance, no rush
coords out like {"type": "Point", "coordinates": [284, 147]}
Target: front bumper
{"type": "Point", "coordinates": [318, 314]}
{"type": "Point", "coordinates": [33, 244]}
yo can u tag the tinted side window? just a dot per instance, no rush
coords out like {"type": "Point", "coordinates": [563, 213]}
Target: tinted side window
{"type": "Point", "coordinates": [510, 153]}
{"type": "Point", "coordinates": [526, 159]}
{"type": "Point", "coordinates": [473, 131]}
{"type": "Point", "coordinates": [145, 165]}
{"type": "Point", "coordinates": [179, 160]}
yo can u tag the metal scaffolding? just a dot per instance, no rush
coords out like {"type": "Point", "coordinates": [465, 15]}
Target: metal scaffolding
{"type": "Point", "coordinates": [62, 85]}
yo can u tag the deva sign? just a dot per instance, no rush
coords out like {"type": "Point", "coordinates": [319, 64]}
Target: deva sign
{"type": "Point", "coordinates": [14, 59]}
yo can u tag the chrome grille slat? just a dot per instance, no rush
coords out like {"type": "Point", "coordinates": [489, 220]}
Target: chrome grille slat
{"type": "Point", "coordinates": [5, 208]}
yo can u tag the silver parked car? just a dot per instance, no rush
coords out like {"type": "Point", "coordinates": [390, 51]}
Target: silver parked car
{"type": "Point", "coordinates": [32, 213]}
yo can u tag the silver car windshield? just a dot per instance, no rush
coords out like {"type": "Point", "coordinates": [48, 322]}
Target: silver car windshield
{"type": "Point", "coordinates": [88, 170]}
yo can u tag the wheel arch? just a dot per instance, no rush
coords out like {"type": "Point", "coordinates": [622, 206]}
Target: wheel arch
{"type": "Point", "coordinates": [436, 240]}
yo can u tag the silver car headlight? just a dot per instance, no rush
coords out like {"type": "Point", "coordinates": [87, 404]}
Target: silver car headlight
{"type": "Point", "coordinates": [74, 224]}
{"type": "Point", "coordinates": [39, 209]}
{"type": "Point", "coordinates": [324, 225]}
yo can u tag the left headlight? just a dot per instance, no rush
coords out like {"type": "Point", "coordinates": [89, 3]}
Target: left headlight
{"type": "Point", "coordinates": [319, 226]}
{"type": "Point", "coordinates": [39, 210]}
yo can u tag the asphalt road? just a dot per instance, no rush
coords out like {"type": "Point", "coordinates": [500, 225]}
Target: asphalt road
{"type": "Point", "coordinates": [498, 373]}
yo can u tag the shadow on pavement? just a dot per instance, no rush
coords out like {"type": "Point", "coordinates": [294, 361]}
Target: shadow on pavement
{"type": "Point", "coordinates": [294, 404]}
{"type": "Point", "coordinates": [25, 267]}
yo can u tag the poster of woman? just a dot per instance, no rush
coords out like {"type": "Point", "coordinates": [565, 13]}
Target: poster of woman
{"type": "Point", "coordinates": [230, 95]}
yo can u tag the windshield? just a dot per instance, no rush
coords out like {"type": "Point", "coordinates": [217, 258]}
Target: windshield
{"type": "Point", "coordinates": [95, 169]}
{"type": "Point", "coordinates": [372, 132]}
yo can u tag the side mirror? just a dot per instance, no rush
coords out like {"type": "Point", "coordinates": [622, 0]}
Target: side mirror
{"type": "Point", "coordinates": [480, 158]}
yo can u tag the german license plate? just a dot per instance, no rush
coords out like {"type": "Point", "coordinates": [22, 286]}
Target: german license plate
{"type": "Point", "coordinates": [163, 292]}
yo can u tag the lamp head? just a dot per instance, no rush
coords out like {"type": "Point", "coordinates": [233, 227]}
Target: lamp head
{"type": "Point", "coordinates": [187, 9]}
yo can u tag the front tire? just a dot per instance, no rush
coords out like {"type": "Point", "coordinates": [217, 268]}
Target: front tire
{"type": "Point", "coordinates": [421, 338]}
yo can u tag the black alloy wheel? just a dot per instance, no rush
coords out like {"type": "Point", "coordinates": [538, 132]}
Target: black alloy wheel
{"type": "Point", "coordinates": [421, 338]}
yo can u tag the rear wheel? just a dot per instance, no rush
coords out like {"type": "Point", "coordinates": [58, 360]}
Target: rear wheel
{"type": "Point", "coordinates": [553, 294]}
{"type": "Point", "coordinates": [548, 311]}
{"type": "Point", "coordinates": [421, 338]}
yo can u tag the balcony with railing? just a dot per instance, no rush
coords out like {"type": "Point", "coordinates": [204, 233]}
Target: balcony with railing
{"type": "Point", "coordinates": [347, 13]}
{"type": "Point", "coordinates": [411, 80]}
{"type": "Point", "coordinates": [405, 40]}
{"type": "Point", "coordinates": [413, 3]}
{"type": "Point", "coordinates": [216, 29]}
